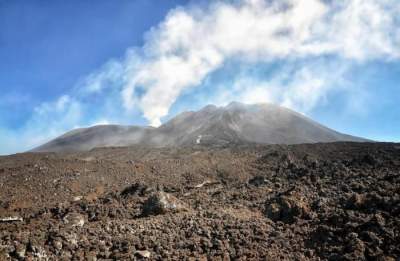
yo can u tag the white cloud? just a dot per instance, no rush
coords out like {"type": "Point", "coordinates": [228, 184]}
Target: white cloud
{"type": "Point", "coordinates": [106, 77]}
{"type": "Point", "coordinates": [52, 119]}
{"type": "Point", "coordinates": [299, 87]}
{"type": "Point", "coordinates": [49, 119]}
{"type": "Point", "coordinates": [305, 90]}
{"type": "Point", "coordinates": [193, 42]}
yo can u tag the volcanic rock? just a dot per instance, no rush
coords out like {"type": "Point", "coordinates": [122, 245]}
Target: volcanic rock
{"type": "Point", "coordinates": [136, 189]}
{"type": "Point", "coordinates": [143, 253]}
{"type": "Point", "coordinates": [258, 181]}
{"type": "Point", "coordinates": [74, 219]}
{"type": "Point", "coordinates": [287, 208]}
{"type": "Point", "coordinates": [162, 203]}
{"type": "Point", "coordinates": [341, 208]}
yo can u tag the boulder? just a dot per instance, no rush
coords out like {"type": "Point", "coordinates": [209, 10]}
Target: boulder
{"type": "Point", "coordinates": [356, 201]}
{"type": "Point", "coordinates": [355, 248]}
{"type": "Point", "coordinates": [369, 201]}
{"type": "Point", "coordinates": [74, 219]}
{"type": "Point", "coordinates": [20, 251]}
{"type": "Point", "coordinates": [287, 208]}
{"type": "Point", "coordinates": [162, 203]}
{"type": "Point", "coordinates": [136, 189]}
{"type": "Point", "coordinates": [258, 181]}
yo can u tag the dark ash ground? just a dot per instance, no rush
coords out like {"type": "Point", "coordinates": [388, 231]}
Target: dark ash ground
{"type": "Point", "coordinates": [337, 201]}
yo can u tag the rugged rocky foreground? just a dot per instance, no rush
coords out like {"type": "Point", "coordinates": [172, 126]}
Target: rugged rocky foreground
{"type": "Point", "coordinates": [337, 201]}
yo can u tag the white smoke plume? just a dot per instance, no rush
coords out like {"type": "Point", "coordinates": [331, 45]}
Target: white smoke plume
{"type": "Point", "coordinates": [193, 42]}
{"type": "Point", "coordinates": [317, 41]}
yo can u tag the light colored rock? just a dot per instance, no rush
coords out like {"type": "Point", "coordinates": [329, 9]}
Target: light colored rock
{"type": "Point", "coordinates": [39, 253]}
{"type": "Point", "coordinates": [161, 203]}
{"type": "Point", "coordinates": [74, 219]}
{"type": "Point", "coordinates": [57, 244]}
{"type": "Point", "coordinates": [72, 240]}
{"type": "Point", "coordinates": [77, 198]}
{"type": "Point", "coordinates": [20, 250]}
{"type": "Point", "coordinates": [206, 183]}
{"type": "Point", "coordinates": [143, 253]}
{"type": "Point", "coordinates": [11, 219]}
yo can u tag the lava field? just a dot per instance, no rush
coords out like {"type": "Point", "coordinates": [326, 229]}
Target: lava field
{"type": "Point", "coordinates": [327, 201]}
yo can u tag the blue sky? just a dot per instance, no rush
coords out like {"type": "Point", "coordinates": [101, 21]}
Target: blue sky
{"type": "Point", "coordinates": [69, 64]}
{"type": "Point", "coordinates": [47, 46]}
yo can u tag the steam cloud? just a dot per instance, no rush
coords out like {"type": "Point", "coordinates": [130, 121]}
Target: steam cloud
{"type": "Point", "coordinates": [193, 42]}
{"type": "Point", "coordinates": [317, 42]}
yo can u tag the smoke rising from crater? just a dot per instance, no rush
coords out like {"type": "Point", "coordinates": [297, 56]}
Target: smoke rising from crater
{"type": "Point", "coordinates": [193, 42]}
{"type": "Point", "coordinates": [311, 46]}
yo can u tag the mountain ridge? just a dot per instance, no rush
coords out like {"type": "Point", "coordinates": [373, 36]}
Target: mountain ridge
{"type": "Point", "coordinates": [232, 124]}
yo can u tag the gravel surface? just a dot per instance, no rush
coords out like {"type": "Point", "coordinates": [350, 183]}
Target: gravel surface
{"type": "Point", "coordinates": [332, 201]}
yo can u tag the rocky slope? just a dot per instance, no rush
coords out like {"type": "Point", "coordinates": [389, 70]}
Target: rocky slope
{"type": "Point", "coordinates": [334, 201]}
{"type": "Point", "coordinates": [234, 124]}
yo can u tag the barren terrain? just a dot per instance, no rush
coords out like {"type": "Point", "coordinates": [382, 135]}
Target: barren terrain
{"type": "Point", "coordinates": [328, 201]}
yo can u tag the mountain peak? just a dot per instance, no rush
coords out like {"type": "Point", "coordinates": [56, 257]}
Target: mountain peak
{"type": "Point", "coordinates": [209, 108]}
{"type": "Point", "coordinates": [235, 105]}
{"type": "Point", "coordinates": [245, 123]}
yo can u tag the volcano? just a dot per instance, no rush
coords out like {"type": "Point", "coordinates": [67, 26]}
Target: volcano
{"type": "Point", "coordinates": [236, 123]}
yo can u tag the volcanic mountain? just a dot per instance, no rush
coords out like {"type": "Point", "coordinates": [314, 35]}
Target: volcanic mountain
{"type": "Point", "coordinates": [235, 123]}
